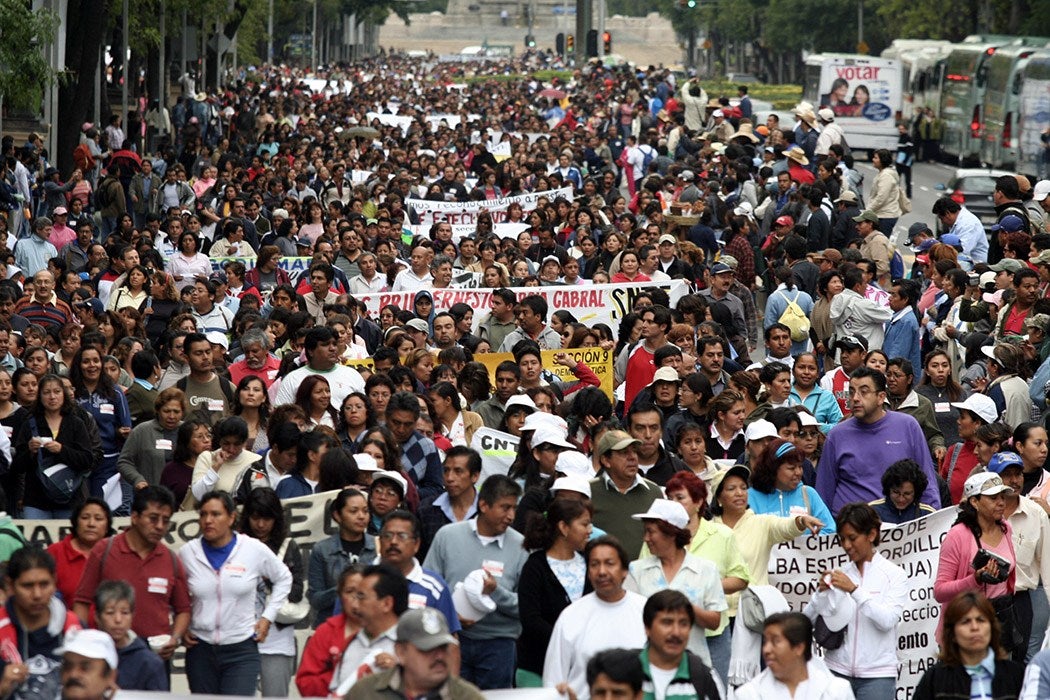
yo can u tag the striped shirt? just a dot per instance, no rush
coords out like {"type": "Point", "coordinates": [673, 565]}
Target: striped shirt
{"type": "Point", "coordinates": [426, 589]}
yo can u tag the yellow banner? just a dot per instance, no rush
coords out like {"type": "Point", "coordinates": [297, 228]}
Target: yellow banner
{"type": "Point", "coordinates": [600, 361]}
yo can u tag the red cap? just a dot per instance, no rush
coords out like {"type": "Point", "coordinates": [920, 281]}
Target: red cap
{"type": "Point", "coordinates": [785, 221]}
{"type": "Point", "coordinates": [924, 259]}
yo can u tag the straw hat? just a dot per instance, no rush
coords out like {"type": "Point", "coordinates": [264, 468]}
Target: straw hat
{"type": "Point", "coordinates": [808, 116]}
{"type": "Point", "coordinates": [798, 155]}
{"type": "Point", "coordinates": [745, 131]}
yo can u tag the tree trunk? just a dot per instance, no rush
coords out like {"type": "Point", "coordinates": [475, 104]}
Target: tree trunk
{"type": "Point", "coordinates": [76, 98]}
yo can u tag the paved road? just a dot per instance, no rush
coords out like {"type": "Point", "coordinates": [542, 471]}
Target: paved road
{"type": "Point", "coordinates": [925, 178]}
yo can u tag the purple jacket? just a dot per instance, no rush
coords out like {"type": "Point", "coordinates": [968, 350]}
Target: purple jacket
{"type": "Point", "coordinates": [856, 455]}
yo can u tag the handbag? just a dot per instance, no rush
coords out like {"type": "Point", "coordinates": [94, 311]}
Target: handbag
{"type": "Point", "coordinates": [61, 482]}
{"type": "Point", "coordinates": [1011, 637]}
{"type": "Point", "coordinates": [825, 637]}
{"type": "Point", "coordinates": [292, 613]}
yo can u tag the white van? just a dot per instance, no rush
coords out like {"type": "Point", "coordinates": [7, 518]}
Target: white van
{"type": "Point", "coordinates": [864, 92]}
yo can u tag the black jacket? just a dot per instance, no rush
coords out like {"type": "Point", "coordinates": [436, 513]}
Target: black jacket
{"type": "Point", "coordinates": [943, 682]}
{"type": "Point", "coordinates": [541, 599]}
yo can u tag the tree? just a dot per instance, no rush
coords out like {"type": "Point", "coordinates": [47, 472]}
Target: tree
{"type": "Point", "coordinates": [76, 96]}
{"type": "Point", "coordinates": [24, 71]}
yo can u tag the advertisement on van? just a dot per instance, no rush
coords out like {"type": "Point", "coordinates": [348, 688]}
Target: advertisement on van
{"type": "Point", "coordinates": [870, 91]}
{"type": "Point", "coordinates": [1034, 123]}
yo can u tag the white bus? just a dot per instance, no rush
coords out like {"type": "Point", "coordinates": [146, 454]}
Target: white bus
{"type": "Point", "coordinates": [864, 92]}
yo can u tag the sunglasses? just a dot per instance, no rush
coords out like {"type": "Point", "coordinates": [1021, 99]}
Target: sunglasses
{"type": "Point", "coordinates": [808, 433]}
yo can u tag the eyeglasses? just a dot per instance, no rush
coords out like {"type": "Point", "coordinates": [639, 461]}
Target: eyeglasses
{"type": "Point", "coordinates": [808, 434]}
{"type": "Point", "coordinates": [399, 536]}
{"type": "Point", "coordinates": [385, 491]}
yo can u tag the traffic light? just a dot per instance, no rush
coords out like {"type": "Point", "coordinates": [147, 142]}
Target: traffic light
{"type": "Point", "coordinates": [530, 41]}
{"type": "Point", "coordinates": [570, 43]}
{"type": "Point", "coordinates": [592, 43]}
{"type": "Point", "coordinates": [559, 43]}
{"type": "Point", "coordinates": [606, 43]}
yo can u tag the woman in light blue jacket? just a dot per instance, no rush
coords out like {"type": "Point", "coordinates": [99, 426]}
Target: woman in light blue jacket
{"type": "Point", "coordinates": [805, 390]}
{"type": "Point", "coordinates": [777, 488]}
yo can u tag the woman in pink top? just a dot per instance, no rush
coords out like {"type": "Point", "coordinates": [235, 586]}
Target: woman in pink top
{"type": "Point", "coordinates": [980, 526]}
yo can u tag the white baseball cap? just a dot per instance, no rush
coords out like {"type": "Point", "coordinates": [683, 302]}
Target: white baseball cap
{"type": "Point", "coordinates": [520, 400]}
{"type": "Point", "coordinates": [1041, 190]}
{"type": "Point", "coordinates": [574, 463]}
{"type": "Point", "coordinates": [984, 484]}
{"type": "Point", "coordinates": [572, 482]}
{"type": "Point", "coordinates": [549, 435]}
{"type": "Point", "coordinates": [91, 644]}
{"type": "Point", "coordinates": [980, 404]}
{"type": "Point", "coordinates": [366, 462]}
{"type": "Point", "coordinates": [540, 419]}
{"type": "Point", "coordinates": [759, 430]}
{"type": "Point", "coordinates": [671, 512]}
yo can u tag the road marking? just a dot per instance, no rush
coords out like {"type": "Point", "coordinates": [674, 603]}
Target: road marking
{"type": "Point", "coordinates": [924, 188]}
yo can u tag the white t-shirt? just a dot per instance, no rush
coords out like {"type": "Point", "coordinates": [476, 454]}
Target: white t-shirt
{"type": "Point", "coordinates": [661, 679]}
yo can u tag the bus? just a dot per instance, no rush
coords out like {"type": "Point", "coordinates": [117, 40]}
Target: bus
{"type": "Point", "coordinates": [920, 73]}
{"type": "Point", "coordinates": [1034, 110]}
{"type": "Point", "coordinates": [1000, 110]}
{"type": "Point", "coordinates": [864, 92]}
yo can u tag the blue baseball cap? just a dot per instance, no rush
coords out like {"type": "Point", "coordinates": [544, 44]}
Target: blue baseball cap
{"type": "Point", "coordinates": [1001, 461]}
{"type": "Point", "coordinates": [1010, 223]}
{"type": "Point", "coordinates": [952, 240]}
{"type": "Point", "coordinates": [925, 245]}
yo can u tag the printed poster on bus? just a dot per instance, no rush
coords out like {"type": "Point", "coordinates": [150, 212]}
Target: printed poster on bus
{"type": "Point", "coordinates": [861, 88]}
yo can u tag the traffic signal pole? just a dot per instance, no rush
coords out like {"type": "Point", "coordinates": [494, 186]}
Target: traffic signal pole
{"type": "Point", "coordinates": [584, 22]}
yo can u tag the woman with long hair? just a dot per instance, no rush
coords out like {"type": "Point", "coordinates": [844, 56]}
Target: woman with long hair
{"type": "Point", "coordinates": [224, 572]}
{"type": "Point", "coordinates": [1030, 442]}
{"type": "Point", "coordinates": [629, 269]}
{"type": "Point", "coordinates": [192, 439]}
{"type": "Point", "coordinates": [326, 645]}
{"type": "Point", "coordinates": [553, 577]}
{"type": "Point", "coordinates": [25, 386]}
{"type": "Point", "coordinates": [134, 291]}
{"type": "Point", "coordinates": [456, 424]}
{"type": "Point", "coordinates": [972, 639]}
{"type": "Point", "coordinates": [829, 285]}
{"type": "Point", "coordinates": [106, 404]}
{"type": "Point", "coordinates": [314, 396]}
{"type": "Point", "coordinates": [188, 265]}
{"type": "Point", "coordinates": [218, 468]}
{"type": "Point", "coordinates": [941, 388]}
{"type": "Point", "coordinates": [817, 400]}
{"type": "Point", "coordinates": [52, 435]}
{"type": "Point", "coordinates": [884, 199]}
{"type": "Point", "coordinates": [251, 402]}
{"type": "Point", "coordinates": [306, 475]}
{"type": "Point", "coordinates": [263, 518]}
{"type": "Point", "coordinates": [981, 527]}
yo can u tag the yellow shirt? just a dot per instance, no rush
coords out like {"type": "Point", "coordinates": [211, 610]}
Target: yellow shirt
{"type": "Point", "coordinates": [754, 536]}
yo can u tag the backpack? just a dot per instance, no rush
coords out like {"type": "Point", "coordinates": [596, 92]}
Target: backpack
{"type": "Point", "coordinates": [896, 265]}
{"type": "Point", "coordinates": [795, 319]}
{"type": "Point", "coordinates": [648, 158]}
{"type": "Point", "coordinates": [83, 159]}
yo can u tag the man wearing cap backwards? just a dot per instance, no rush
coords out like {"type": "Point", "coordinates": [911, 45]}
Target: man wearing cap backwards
{"type": "Point", "coordinates": [89, 665]}
{"type": "Point", "coordinates": [830, 132]}
{"type": "Point", "coordinates": [852, 350]}
{"type": "Point", "coordinates": [958, 220]}
{"type": "Point", "coordinates": [488, 543]}
{"type": "Point", "coordinates": [620, 490]}
{"type": "Point", "coordinates": [859, 449]}
{"type": "Point", "coordinates": [424, 651]}
{"type": "Point", "coordinates": [1028, 523]}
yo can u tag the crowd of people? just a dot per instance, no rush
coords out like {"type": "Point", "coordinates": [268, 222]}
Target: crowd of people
{"type": "Point", "coordinates": [189, 322]}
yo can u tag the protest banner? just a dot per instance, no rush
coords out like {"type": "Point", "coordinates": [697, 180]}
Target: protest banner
{"type": "Point", "coordinates": [796, 566]}
{"type": "Point", "coordinates": [290, 264]}
{"type": "Point", "coordinates": [431, 211]}
{"type": "Point", "coordinates": [497, 450]}
{"type": "Point", "coordinates": [589, 303]}
{"type": "Point", "coordinates": [600, 361]}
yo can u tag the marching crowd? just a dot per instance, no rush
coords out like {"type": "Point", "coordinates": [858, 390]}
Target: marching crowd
{"type": "Point", "coordinates": [158, 354]}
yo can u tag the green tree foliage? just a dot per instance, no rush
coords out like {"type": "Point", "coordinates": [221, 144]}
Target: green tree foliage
{"type": "Point", "coordinates": [24, 70]}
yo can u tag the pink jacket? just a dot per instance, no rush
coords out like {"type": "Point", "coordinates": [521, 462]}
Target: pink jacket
{"type": "Point", "coordinates": [955, 570]}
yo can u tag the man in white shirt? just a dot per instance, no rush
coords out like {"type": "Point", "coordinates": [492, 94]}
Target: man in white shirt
{"type": "Point", "coordinates": [381, 599]}
{"type": "Point", "coordinates": [368, 282]}
{"type": "Point", "coordinates": [417, 276]}
{"type": "Point", "coordinates": [649, 264]}
{"type": "Point", "coordinates": [321, 276]}
{"type": "Point", "coordinates": [322, 353]}
{"type": "Point", "coordinates": [957, 219]}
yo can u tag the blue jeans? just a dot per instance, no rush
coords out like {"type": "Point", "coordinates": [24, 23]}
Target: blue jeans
{"type": "Point", "coordinates": [872, 688]}
{"type": "Point", "coordinates": [720, 648]}
{"type": "Point", "coordinates": [31, 513]}
{"type": "Point", "coordinates": [487, 663]}
{"type": "Point", "coordinates": [1040, 620]}
{"type": "Point", "coordinates": [223, 669]}
{"type": "Point", "coordinates": [886, 226]}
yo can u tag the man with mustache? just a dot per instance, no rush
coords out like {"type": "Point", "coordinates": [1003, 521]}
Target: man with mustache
{"type": "Point", "coordinates": [424, 649]}
{"type": "Point", "coordinates": [668, 616]}
{"type": "Point", "coordinates": [89, 666]}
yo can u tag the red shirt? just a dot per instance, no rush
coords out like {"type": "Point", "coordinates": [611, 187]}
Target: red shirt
{"type": "Point", "coordinates": [69, 567]}
{"type": "Point", "coordinates": [267, 373]}
{"type": "Point", "coordinates": [159, 581]}
{"type": "Point", "coordinates": [1014, 324]}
